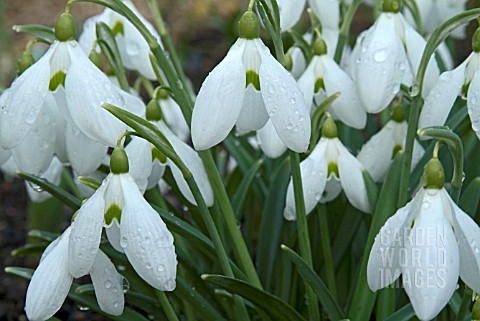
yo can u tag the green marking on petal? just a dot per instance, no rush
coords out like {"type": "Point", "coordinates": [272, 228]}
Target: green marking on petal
{"type": "Point", "coordinates": [117, 28]}
{"type": "Point", "coordinates": [254, 79]}
{"type": "Point", "coordinates": [333, 169]}
{"type": "Point", "coordinates": [57, 80]}
{"type": "Point", "coordinates": [319, 84]}
{"type": "Point", "coordinates": [114, 212]}
{"type": "Point", "coordinates": [396, 149]}
{"type": "Point", "coordinates": [157, 154]}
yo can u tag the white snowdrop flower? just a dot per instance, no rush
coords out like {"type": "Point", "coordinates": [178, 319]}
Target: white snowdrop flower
{"type": "Point", "coordinates": [325, 172]}
{"type": "Point", "coordinates": [247, 88]}
{"type": "Point", "coordinates": [53, 174]}
{"type": "Point", "coordinates": [172, 115]}
{"type": "Point", "coordinates": [269, 142]}
{"type": "Point", "coordinates": [430, 242]}
{"type": "Point", "coordinates": [290, 12]}
{"type": "Point", "coordinates": [387, 55]}
{"type": "Point", "coordinates": [134, 49]}
{"type": "Point", "coordinates": [132, 227]}
{"type": "Point", "coordinates": [79, 87]}
{"type": "Point", "coordinates": [51, 282]}
{"type": "Point", "coordinates": [378, 153]}
{"type": "Point", "coordinates": [463, 80]}
{"type": "Point", "coordinates": [323, 78]}
{"type": "Point", "coordinates": [328, 12]}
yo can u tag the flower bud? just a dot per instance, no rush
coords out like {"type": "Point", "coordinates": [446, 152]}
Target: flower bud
{"type": "Point", "coordinates": [119, 161]}
{"type": "Point", "coordinates": [392, 6]}
{"type": "Point", "coordinates": [329, 129]}
{"type": "Point", "coordinates": [398, 114]}
{"type": "Point", "coordinates": [25, 61]}
{"type": "Point", "coordinates": [65, 27]}
{"type": "Point", "coordinates": [433, 174]}
{"type": "Point", "coordinates": [319, 47]}
{"type": "Point", "coordinates": [153, 112]}
{"type": "Point", "coordinates": [249, 27]}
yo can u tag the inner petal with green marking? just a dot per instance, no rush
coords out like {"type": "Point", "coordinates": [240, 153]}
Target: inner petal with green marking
{"type": "Point", "coordinates": [58, 79]}
{"type": "Point", "coordinates": [319, 84]}
{"type": "Point", "coordinates": [253, 78]}
{"type": "Point", "coordinates": [333, 169]}
{"type": "Point", "coordinates": [113, 212]}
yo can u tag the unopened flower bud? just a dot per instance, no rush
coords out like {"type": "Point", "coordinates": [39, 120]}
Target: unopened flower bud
{"type": "Point", "coordinates": [319, 47]}
{"type": "Point", "coordinates": [153, 112]}
{"type": "Point", "coordinates": [65, 27]}
{"type": "Point", "coordinates": [25, 61]}
{"type": "Point", "coordinates": [398, 114]}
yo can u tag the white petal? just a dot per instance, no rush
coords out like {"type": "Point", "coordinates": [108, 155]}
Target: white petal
{"type": "Point", "coordinates": [220, 100]}
{"type": "Point", "coordinates": [380, 66]}
{"type": "Point", "coordinates": [172, 115]}
{"type": "Point", "coordinates": [314, 175]}
{"type": "Point", "coordinates": [299, 64]}
{"type": "Point", "coordinates": [306, 82]}
{"type": "Point", "coordinates": [351, 178]}
{"type": "Point", "coordinates": [253, 115]}
{"type": "Point", "coordinates": [87, 88]}
{"type": "Point", "coordinates": [473, 102]}
{"type": "Point", "coordinates": [89, 35]}
{"type": "Point", "coordinates": [108, 285]}
{"type": "Point", "coordinates": [290, 12]}
{"type": "Point", "coordinates": [146, 240]}
{"type": "Point", "coordinates": [333, 188]}
{"type": "Point", "coordinates": [431, 258]}
{"type": "Point", "coordinates": [113, 235]}
{"type": "Point", "coordinates": [347, 106]}
{"type": "Point", "coordinates": [85, 155]}
{"type": "Point", "coordinates": [284, 102]}
{"type": "Point", "coordinates": [418, 152]}
{"type": "Point", "coordinates": [191, 159]}
{"type": "Point", "coordinates": [468, 237]}
{"type": "Point", "coordinates": [139, 153]}
{"type": "Point", "coordinates": [376, 154]}
{"type": "Point", "coordinates": [86, 234]}
{"type": "Point", "coordinates": [269, 141]}
{"type": "Point", "coordinates": [157, 173]}
{"type": "Point", "coordinates": [27, 94]}
{"type": "Point", "coordinates": [53, 175]}
{"type": "Point", "coordinates": [328, 11]}
{"type": "Point", "coordinates": [50, 283]}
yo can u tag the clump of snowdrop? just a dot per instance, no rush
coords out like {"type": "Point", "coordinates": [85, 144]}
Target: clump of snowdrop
{"type": "Point", "coordinates": [430, 242]}
{"type": "Point", "coordinates": [247, 89]}
{"type": "Point", "coordinates": [326, 171]}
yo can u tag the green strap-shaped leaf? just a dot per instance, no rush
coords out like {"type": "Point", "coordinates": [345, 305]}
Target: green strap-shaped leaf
{"type": "Point", "coordinates": [242, 190]}
{"type": "Point", "coordinates": [372, 189]}
{"type": "Point", "coordinates": [29, 248]}
{"type": "Point", "coordinates": [43, 33]}
{"type": "Point", "coordinates": [324, 296]}
{"type": "Point", "coordinates": [271, 304]}
{"type": "Point", "coordinates": [470, 198]}
{"type": "Point", "coordinates": [404, 314]}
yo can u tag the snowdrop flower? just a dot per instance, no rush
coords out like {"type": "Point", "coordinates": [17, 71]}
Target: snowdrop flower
{"type": "Point", "coordinates": [326, 171]}
{"type": "Point", "coordinates": [133, 48]}
{"type": "Point", "coordinates": [431, 242]}
{"type": "Point", "coordinates": [328, 12]}
{"type": "Point", "coordinates": [247, 88]}
{"type": "Point", "coordinates": [53, 174]}
{"type": "Point", "coordinates": [290, 12]}
{"type": "Point", "coordinates": [78, 86]}
{"type": "Point", "coordinates": [132, 227]}
{"type": "Point", "coordinates": [387, 55]}
{"type": "Point", "coordinates": [269, 142]}
{"type": "Point", "coordinates": [463, 80]}
{"type": "Point", "coordinates": [323, 78]}
{"type": "Point", "coordinates": [377, 154]}
{"type": "Point", "coordinates": [172, 115]}
{"type": "Point", "coordinates": [51, 282]}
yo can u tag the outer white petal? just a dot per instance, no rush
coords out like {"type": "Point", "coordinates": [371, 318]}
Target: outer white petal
{"type": "Point", "coordinates": [113, 235]}
{"type": "Point", "coordinates": [284, 102]}
{"type": "Point", "coordinates": [333, 188]}
{"type": "Point", "coordinates": [86, 234]}
{"type": "Point", "coordinates": [157, 173]}
{"type": "Point", "coordinates": [85, 190]}
{"type": "Point", "coordinates": [314, 176]}
{"type": "Point", "coordinates": [306, 82]}
{"type": "Point", "coordinates": [376, 154]}
{"type": "Point", "coordinates": [89, 35]}
{"type": "Point", "coordinates": [139, 153]}
{"type": "Point", "coordinates": [133, 103]}
{"type": "Point", "coordinates": [220, 100]}
{"type": "Point", "coordinates": [298, 62]}
{"type": "Point", "coordinates": [172, 115]}
{"type": "Point", "coordinates": [4, 153]}
{"type": "Point", "coordinates": [87, 88]}
{"type": "Point", "coordinates": [60, 115]}
{"type": "Point", "coordinates": [347, 106]}
{"type": "Point", "coordinates": [108, 285]}
{"type": "Point", "coordinates": [253, 115]}
{"type": "Point", "coordinates": [290, 12]}
{"type": "Point", "coordinates": [351, 178]}
{"type": "Point", "coordinates": [269, 141]}
{"type": "Point", "coordinates": [10, 168]}
{"type": "Point", "coordinates": [85, 155]}
{"type": "Point", "coordinates": [328, 11]}
{"type": "Point", "coordinates": [468, 237]}
{"type": "Point", "coordinates": [194, 164]}
{"type": "Point", "coordinates": [53, 175]}
{"type": "Point", "coordinates": [473, 102]}
{"type": "Point", "coordinates": [441, 98]}
{"type": "Point", "coordinates": [383, 266]}
{"type": "Point", "coordinates": [27, 94]}
{"type": "Point", "coordinates": [50, 283]}
{"type": "Point", "coordinates": [380, 65]}
{"type": "Point", "coordinates": [431, 262]}
{"type": "Point", "coordinates": [146, 240]}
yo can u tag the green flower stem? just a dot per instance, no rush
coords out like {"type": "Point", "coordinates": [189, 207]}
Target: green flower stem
{"type": "Point", "coordinates": [303, 237]}
{"type": "Point", "coordinates": [327, 249]}
{"type": "Point", "coordinates": [345, 30]}
{"type": "Point", "coordinates": [166, 306]}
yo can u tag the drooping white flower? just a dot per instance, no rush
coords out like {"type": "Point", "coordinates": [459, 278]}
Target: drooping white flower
{"type": "Point", "coordinates": [247, 88]}
{"type": "Point", "coordinates": [387, 55]}
{"type": "Point", "coordinates": [290, 12]}
{"type": "Point", "coordinates": [430, 242]}
{"type": "Point", "coordinates": [172, 115]}
{"type": "Point", "coordinates": [133, 48]}
{"type": "Point", "coordinates": [328, 12]}
{"type": "Point", "coordinates": [53, 174]}
{"type": "Point", "coordinates": [325, 172]}
{"type": "Point", "coordinates": [463, 80]}
{"type": "Point", "coordinates": [323, 78]}
{"type": "Point", "coordinates": [51, 282]}
{"type": "Point", "coordinates": [132, 227]}
{"type": "Point", "coordinates": [269, 141]}
{"type": "Point", "coordinates": [377, 154]}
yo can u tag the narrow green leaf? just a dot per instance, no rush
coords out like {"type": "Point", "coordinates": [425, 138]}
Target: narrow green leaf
{"type": "Point", "coordinates": [271, 304]}
{"type": "Point", "coordinates": [413, 8]}
{"type": "Point", "coordinates": [85, 289]}
{"type": "Point", "coordinates": [372, 189]}
{"type": "Point", "coordinates": [242, 189]}
{"type": "Point", "coordinates": [45, 34]}
{"type": "Point", "coordinates": [43, 235]}
{"type": "Point", "coordinates": [29, 249]}
{"type": "Point", "coordinates": [302, 44]}
{"type": "Point", "coordinates": [324, 296]}
{"type": "Point", "coordinates": [471, 197]}
{"type": "Point", "coordinates": [56, 191]}
{"type": "Point", "coordinates": [404, 314]}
